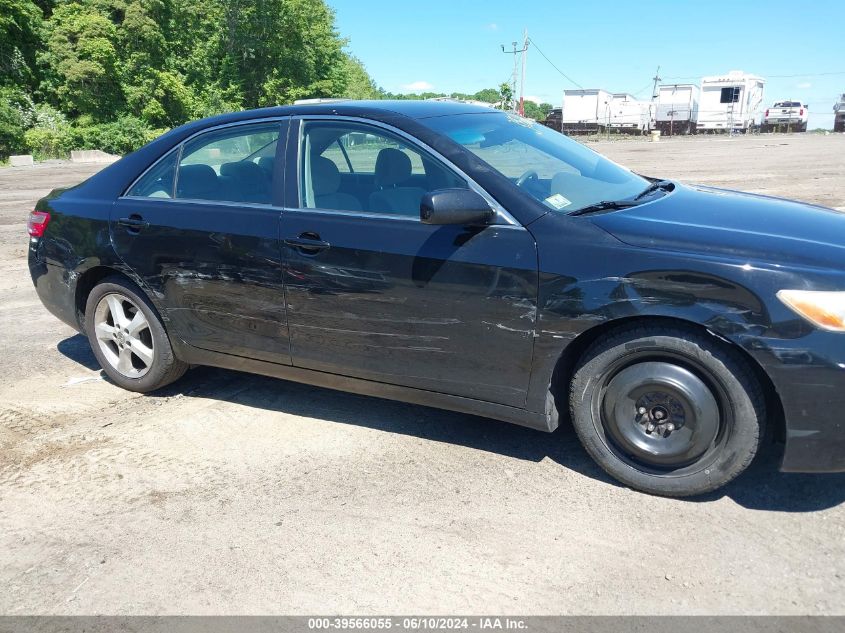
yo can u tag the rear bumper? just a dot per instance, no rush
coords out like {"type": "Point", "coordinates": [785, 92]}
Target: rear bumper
{"type": "Point", "coordinates": [809, 376]}
{"type": "Point", "coordinates": [55, 286]}
{"type": "Point", "coordinates": [793, 122]}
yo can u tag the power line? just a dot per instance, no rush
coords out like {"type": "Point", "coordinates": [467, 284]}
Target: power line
{"type": "Point", "coordinates": [563, 74]}
{"type": "Point", "coordinates": [805, 75]}
{"type": "Point", "coordinates": [767, 76]}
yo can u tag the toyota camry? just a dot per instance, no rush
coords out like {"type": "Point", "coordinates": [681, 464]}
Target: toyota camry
{"type": "Point", "coordinates": [464, 258]}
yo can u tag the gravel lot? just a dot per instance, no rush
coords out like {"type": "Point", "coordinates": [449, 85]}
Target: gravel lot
{"type": "Point", "coordinates": [230, 493]}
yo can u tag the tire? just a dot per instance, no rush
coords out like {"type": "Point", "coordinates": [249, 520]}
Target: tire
{"type": "Point", "coordinates": [632, 387]}
{"type": "Point", "coordinates": [137, 355]}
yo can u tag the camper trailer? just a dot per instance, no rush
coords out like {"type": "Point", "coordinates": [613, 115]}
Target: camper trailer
{"type": "Point", "coordinates": [730, 103]}
{"type": "Point", "coordinates": [628, 114]}
{"type": "Point", "coordinates": [677, 109]}
{"type": "Point", "coordinates": [839, 115]}
{"type": "Point", "coordinates": [585, 110]}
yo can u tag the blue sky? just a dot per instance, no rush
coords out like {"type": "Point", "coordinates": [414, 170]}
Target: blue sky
{"type": "Point", "coordinates": [454, 45]}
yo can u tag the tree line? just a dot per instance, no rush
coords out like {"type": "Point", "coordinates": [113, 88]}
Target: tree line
{"type": "Point", "coordinates": [114, 74]}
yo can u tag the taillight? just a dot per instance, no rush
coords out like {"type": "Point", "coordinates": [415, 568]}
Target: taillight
{"type": "Point", "coordinates": [801, 112]}
{"type": "Point", "coordinates": [767, 113]}
{"type": "Point", "coordinates": [37, 223]}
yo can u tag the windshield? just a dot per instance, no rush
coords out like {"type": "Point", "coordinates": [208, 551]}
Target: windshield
{"type": "Point", "coordinates": [559, 172]}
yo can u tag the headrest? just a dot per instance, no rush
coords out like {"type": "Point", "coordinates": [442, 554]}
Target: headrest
{"type": "Point", "coordinates": [325, 176]}
{"type": "Point", "coordinates": [393, 167]}
{"type": "Point", "coordinates": [244, 171]}
{"type": "Point", "coordinates": [196, 181]}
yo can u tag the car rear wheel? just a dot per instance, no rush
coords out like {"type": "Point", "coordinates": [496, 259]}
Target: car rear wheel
{"type": "Point", "coordinates": [666, 410]}
{"type": "Point", "coordinates": [128, 337]}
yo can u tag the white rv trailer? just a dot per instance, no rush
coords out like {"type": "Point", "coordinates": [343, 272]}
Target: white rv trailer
{"type": "Point", "coordinates": [585, 110]}
{"type": "Point", "coordinates": [730, 103]}
{"type": "Point", "coordinates": [629, 114]}
{"type": "Point", "coordinates": [677, 108]}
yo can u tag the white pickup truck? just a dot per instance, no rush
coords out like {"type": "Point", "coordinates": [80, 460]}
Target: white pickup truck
{"type": "Point", "coordinates": [787, 115]}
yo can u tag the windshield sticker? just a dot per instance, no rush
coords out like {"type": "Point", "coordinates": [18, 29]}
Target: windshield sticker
{"type": "Point", "coordinates": [557, 201]}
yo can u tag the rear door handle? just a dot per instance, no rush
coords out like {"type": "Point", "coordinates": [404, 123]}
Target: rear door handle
{"type": "Point", "coordinates": [308, 242]}
{"type": "Point", "coordinates": [134, 223]}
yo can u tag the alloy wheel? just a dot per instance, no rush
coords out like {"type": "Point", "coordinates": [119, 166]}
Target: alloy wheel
{"type": "Point", "coordinates": [123, 334]}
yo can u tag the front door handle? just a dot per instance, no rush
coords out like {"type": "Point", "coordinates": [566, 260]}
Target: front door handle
{"type": "Point", "coordinates": [308, 242]}
{"type": "Point", "coordinates": [133, 223]}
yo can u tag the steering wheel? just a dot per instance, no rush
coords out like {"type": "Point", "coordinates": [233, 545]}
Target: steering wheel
{"type": "Point", "coordinates": [528, 175]}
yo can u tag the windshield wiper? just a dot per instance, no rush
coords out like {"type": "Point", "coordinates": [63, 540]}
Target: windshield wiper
{"type": "Point", "coordinates": [604, 205]}
{"type": "Point", "coordinates": [665, 185]}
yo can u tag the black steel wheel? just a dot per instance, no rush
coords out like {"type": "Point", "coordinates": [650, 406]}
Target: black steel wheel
{"type": "Point", "coordinates": [666, 410]}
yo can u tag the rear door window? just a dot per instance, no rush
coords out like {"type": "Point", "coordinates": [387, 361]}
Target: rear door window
{"type": "Point", "coordinates": [230, 165]}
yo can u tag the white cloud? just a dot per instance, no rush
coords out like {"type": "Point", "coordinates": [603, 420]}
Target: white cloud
{"type": "Point", "coordinates": [535, 99]}
{"type": "Point", "coordinates": [418, 86]}
{"type": "Point", "coordinates": [804, 85]}
{"type": "Point", "coordinates": [492, 27]}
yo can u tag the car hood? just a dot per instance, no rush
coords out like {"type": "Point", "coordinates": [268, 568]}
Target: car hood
{"type": "Point", "coordinates": [744, 226]}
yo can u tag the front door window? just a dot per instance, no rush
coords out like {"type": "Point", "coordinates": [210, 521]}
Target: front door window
{"type": "Point", "coordinates": [355, 167]}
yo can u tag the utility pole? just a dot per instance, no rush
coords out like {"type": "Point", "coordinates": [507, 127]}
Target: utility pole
{"type": "Point", "coordinates": [515, 74]}
{"type": "Point", "coordinates": [652, 107]}
{"type": "Point", "coordinates": [654, 88]}
{"type": "Point", "coordinates": [522, 79]}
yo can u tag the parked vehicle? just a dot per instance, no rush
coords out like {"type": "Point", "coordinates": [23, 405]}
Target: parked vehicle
{"type": "Point", "coordinates": [585, 110]}
{"type": "Point", "coordinates": [464, 258]}
{"type": "Point", "coordinates": [677, 109]}
{"type": "Point", "coordinates": [839, 115]}
{"type": "Point", "coordinates": [786, 115]}
{"type": "Point", "coordinates": [628, 114]}
{"type": "Point", "coordinates": [554, 119]}
{"type": "Point", "coordinates": [730, 103]}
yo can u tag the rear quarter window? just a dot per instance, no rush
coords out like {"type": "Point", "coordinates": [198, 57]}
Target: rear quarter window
{"type": "Point", "coordinates": [158, 181]}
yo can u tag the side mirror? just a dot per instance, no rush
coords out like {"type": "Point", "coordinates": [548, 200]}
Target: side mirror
{"type": "Point", "coordinates": [455, 206]}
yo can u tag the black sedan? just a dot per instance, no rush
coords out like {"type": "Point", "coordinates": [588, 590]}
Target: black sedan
{"type": "Point", "coordinates": [469, 259]}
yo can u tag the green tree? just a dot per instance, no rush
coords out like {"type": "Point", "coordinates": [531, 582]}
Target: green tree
{"type": "Point", "coordinates": [538, 112]}
{"type": "Point", "coordinates": [505, 96]}
{"type": "Point", "coordinates": [16, 115]}
{"type": "Point", "coordinates": [109, 73]}
{"type": "Point", "coordinates": [80, 61]}
{"type": "Point", "coordinates": [276, 51]}
{"type": "Point", "coordinates": [359, 84]}
{"type": "Point", "coordinates": [20, 24]}
{"type": "Point", "coordinates": [489, 95]}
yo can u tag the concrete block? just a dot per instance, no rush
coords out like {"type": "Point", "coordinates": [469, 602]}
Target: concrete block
{"type": "Point", "coordinates": [92, 156]}
{"type": "Point", "coordinates": [21, 161]}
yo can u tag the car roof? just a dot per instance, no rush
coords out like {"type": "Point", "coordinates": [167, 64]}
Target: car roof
{"type": "Point", "coordinates": [414, 109]}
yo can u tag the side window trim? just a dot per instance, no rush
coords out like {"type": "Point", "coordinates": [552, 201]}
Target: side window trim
{"type": "Point", "coordinates": [284, 124]}
{"type": "Point", "coordinates": [179, 153]}
{"type": "Point", "coordinates": [294, 197]}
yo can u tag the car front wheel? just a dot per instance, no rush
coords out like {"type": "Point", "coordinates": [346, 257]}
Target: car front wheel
{"type": "Point", "coordinates": [128, 337]}
{"type": "Point", "coordinates": [666, 410]}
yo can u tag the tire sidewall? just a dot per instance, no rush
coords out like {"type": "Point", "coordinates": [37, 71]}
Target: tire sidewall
{"type": "Point", "coordinates": [164, 359]}
{"type": "Point", "coordinates": [739, 441]}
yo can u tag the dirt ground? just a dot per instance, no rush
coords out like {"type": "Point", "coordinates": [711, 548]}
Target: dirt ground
{"type": "Point", "coordinates": [230, 493]}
